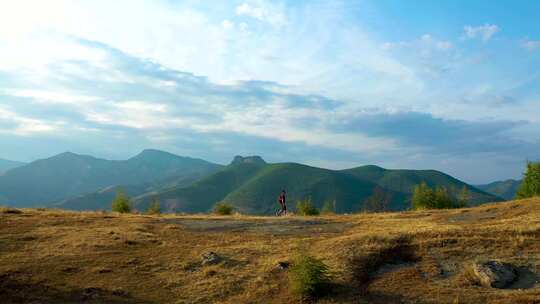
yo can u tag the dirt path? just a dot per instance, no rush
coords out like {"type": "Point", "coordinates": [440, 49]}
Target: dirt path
{"type": "Point", "coordinates": [282, 226]}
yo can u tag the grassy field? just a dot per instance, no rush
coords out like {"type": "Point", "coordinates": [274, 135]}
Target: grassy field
{"type": "Point", "coordinates": [53, 256]}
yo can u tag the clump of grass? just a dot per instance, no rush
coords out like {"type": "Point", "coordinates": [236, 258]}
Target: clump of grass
{"type": "Point", "coordinates": [121, 202]}
{"type": "Point", "coordinates": [223, 209]}
{"type": "Point", "coordinates": [308, 276]}
{"type": "Point", "coordinates": [306, 207]}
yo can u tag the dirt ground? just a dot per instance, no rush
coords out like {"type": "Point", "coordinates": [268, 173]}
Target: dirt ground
{"type": "Point", "coordinates": [54, 256]}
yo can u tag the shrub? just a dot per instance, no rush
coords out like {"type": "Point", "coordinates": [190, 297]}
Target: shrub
{"type": "Point", "coordinates": [121, 202]}
{"type": "Point", "coordinates": [155, 207]}
{"type": "Point", "coordinates": [306, 208]}
{"type": "Point", "coordinates": [531, 181]}
{"type": "Point", "coordinates": [223, 209]}
{"type": "Point", "coordinates": [308, 276]}
{"type": "Point", "coordinates": [329, 207]}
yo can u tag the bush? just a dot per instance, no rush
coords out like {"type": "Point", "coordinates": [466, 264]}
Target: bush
{"type": "Point", "coordinates": [121, 202]}
{"type": "Point", "coordinates": [155, 207]}
{"type": "Point", "coordinates": [329, 207]}
{"type": "Point", "coordinates": [531, 181]}
{"type": "Point", "coordinates": [306, 208]}
{"type": "Point", "coordinates": [308, 276]}
{"type": "Point", "coordinates": [223, 209]}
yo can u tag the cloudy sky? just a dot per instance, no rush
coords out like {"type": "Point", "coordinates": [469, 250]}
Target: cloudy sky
{"type": "Point", "coordinates": [452, 85]}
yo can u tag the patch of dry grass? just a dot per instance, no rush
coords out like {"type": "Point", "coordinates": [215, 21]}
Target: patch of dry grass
{"type": "Point", "coordinates": [404, 257]}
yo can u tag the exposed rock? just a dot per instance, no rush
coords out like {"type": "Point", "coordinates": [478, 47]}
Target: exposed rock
{"type": "Point", "coordinates": [283, 265]}
{"type": "Point", "coordinates": [210, 258]}
{"type": "Point", "coordinates": [248, 160]}
{"type": "Point", "coordinates": [494, 273]}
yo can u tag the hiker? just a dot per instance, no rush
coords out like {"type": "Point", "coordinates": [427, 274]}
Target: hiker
{"type": "Point", "coordinates": [282, 202]}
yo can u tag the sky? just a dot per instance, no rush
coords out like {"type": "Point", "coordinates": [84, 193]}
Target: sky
{"type": "Point", "coordinates": [446, 85]}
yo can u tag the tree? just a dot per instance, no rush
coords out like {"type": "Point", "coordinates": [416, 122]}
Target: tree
{"type": "Point", "coordinates": [423, 197]}
{"type": "Point", "coordinates": [443, 200]}
{"type": "Point", "coordinates": [121, 202]}
{"type": "Point", "coordinates": [531, 181]}
{"type": "Point", "coordinates": [379, 201]}
{"type": "Point", "coordinates": [154, 207]}
{"type": "Point", "coordinates": [329, 207]}
{"type": "Point", "coordinates": [463, 197]}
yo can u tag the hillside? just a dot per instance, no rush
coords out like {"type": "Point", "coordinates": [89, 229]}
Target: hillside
{"type": "Point", "coordinates": [68, 174]}
{"type": "Point", "coordinates": [403, 181]}
{"type": "Point", "coordinates": [252, 187]}
{"type": "Point", "coordinates": [6, 165]}
{"type": "Point", "coordinates": [381, 258]}
{"type": "Point", "coordinates": [506, 189]}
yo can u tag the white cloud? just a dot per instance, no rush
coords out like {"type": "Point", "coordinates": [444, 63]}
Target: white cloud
{"type": "Point", "coordinates": [266, 13]}
{"type": "Point", "coordinates": [227, 24]}
{"type": "Point", "coordinates": [530, 45]}
{"type": "Point", "coordinates": [25, 126]}
{"type": "Point", "coordinates": [483, 32]}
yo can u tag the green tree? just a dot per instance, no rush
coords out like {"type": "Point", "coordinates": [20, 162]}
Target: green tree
{"type": "Point", "coordinates": [423, 197]}
{"type": "Point", "coordinates": [531, 181]}
{"type": "Point", "coordinates": [121, 202]}
{"type": "Point", "coordinates": [378, 201]}
{"type": "Point", "coordinates": [154, 207]}
{"type": "Point", "coordinates": [329, 207]}
{"type": "Point", "coordinates": [463, 197]}
{"type": "Point", "coordinates": [443, 200]}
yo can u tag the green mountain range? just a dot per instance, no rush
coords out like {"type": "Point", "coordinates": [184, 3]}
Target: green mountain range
{"type": "Point", "coordinates": [54, 179]}
{"type": "Point", "coordinates": [506, 189]}
{"type": "Point", "coordinates": [252, 186]}
{"type": "Point", "coordinates": [6, 165]}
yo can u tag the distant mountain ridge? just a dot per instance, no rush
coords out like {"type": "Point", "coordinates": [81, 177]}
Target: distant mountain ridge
{"type": "Point", "coordinates": [6, 165]}
{"type": "Point", "coordinates": [68, 174]}
{"type": "Point", "coordinates": [252, 187]}
{"type": "Point", "coordinates": [506, 189]}
{"type": "Point", "coordinates": [184, 184]}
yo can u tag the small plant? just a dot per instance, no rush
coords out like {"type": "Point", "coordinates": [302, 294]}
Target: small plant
{"type": "Point", "coordinates": [308, 276]}
{"type": "Point", "coordinates": [155, 207]}
{"type": "Point", "coordinates": [306, 207]}
{"type": "Point", "coordinates": [329, 207]}
{"type": "Point", "coordinates": [223, 209]}
{"type": "Point", "coordinates": [121, 202]}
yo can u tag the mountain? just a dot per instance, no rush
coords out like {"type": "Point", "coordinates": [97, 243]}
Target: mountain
{"type": "Point", "coordinates": [69, 174]}
{"type": "Point", "coordinates": [403, 181]}
{"type": "Point", "coordinates": [506, 189]}
{"type": "Point", "coordinates": [252, 186]}
{"type": "Point", "coordinates": [6, 165]}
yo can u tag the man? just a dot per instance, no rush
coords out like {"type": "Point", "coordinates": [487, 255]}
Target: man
{"type": "Point", "coordinates": [282, 202]}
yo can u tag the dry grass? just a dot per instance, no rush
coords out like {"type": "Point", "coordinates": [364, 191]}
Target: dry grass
{"type": "Point", "coordinates": [56, 256]}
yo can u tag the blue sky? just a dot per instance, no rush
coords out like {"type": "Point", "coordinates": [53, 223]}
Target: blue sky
{"type": "Point", "coordinates": [447, 85]}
